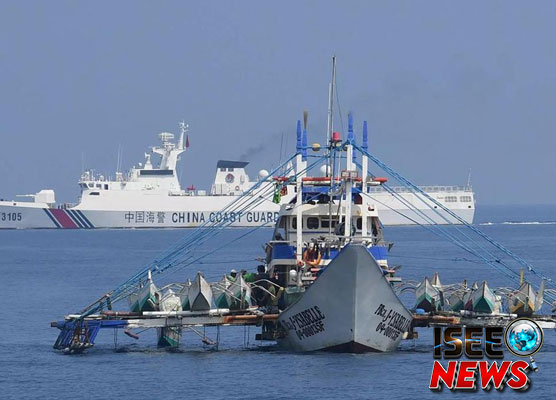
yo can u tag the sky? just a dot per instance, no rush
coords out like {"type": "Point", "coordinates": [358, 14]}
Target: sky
{"type": "Point", "coordinates": [446, 87]}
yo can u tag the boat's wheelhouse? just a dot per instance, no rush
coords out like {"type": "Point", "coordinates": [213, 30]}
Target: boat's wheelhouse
{"type": "Point", "coordinates": [323, 234]}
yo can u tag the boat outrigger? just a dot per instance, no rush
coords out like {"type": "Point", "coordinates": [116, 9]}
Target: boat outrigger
{"type": "Point", "coordinates": [325, 283]}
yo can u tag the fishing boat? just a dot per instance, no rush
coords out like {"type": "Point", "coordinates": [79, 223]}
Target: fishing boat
{"type": "Point", "coordinates": [146, 297]}
{"type": "Point", "coordinates": [427, 296]}
{"type": "Point", "coordinates": [169, 336]}
{"type": "Point", "coordinates": [240, 293]}
{"type": "Point", "coordinates": [170, 301]}
{"type": "Point", "coordinates": [455, 301]}
{"type": "Point", "coordinates": [328, 254]}
{"type": "Point", "coordinates": [200, 294]}
{"type": "Point", "coordinates": [468, 297]}
{"type": "Point", "coordinates": [525, 301]}
{"type": "Point", "coordinates": [183, 294]}
{"type": "Point", "coordinates": [221, 293]}
{"type": "Point", "coordinates": [484, 300]}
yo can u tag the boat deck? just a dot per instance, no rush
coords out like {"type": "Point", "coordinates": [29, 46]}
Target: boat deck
{"type": "Point", "coordinates": [79, 333]}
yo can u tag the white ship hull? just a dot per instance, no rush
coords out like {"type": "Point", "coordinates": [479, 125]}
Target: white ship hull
{"type": "Point", "coordinates": [351, 307]}
{"type": "Point", "coordinates": [193, 211]}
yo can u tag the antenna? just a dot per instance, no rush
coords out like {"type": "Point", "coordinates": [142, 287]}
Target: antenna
{"type": "Point", "coordinates": [183, 130]}
{"type": "Point", "coordinates": [469, 179]}
{"type": "Point", "coordinates": [330, 126]}
{"type": "Point", "coordinates": [118, 164]}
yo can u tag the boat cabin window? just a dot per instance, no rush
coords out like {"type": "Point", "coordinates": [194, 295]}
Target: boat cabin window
{"type": "Point", "coordinates": [94, 194]}
{"type": "Point", "coordinates": [451, 199]}
{"type": "Point", "coordinates": [99, 185]}
{"type": "Point", "coordinates": [230, 170]}
{"type": "Point", "coordinates": [359, 223]}
{"type": "Point", "coordinates": [325, 222]}
{"type": "Point", "coordinates": [222, 169]}
{"type": "Point", "coordinates": [105, 186]}
{"type": "Point", "coordinates": [91, 185]}
{"type": "Point", "coordinates": [294, 223]}
{"type": "Point", "coordinates": [312, 223]}
{"type": "Point", "coordinates": [84, 185]}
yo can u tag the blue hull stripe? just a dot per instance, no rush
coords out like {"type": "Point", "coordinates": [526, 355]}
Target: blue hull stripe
{"type": "Point", "coordinates": [52, 218]}
{"type": "Point", "coordinates": [85, 218]}
{"type": "Point", "coordinates": [75, 219]}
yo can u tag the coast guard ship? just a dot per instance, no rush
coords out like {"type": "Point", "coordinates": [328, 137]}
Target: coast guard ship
{"type": "Point", "coordinates": [150, 196]}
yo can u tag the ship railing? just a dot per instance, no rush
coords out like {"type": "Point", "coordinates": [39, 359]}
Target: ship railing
{"type": "Point", "coordinates": [428, 189]}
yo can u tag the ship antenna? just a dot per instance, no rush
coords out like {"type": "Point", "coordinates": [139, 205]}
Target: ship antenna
{"type": "Point", "coordinates": [183, 128]}
{"type": "Point", "coordinates": [469, 179]}
{"type": "Point", "coordinates": [330, 126]}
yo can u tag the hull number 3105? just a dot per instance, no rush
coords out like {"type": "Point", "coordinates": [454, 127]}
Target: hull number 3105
{"type": "Point", "coordinates": [10, 216]}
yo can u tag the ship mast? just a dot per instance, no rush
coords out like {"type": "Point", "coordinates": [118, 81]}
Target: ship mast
{"type": "Point", "coordinates": [330, 126]}
{"type": "Point", "coordinates": [330, 129]}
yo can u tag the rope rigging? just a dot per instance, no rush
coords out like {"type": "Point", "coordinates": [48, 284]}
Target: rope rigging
{"type": "Point", "coordinates": [435, 205]}
{"type": "Point", "coordinates": [183, 254]}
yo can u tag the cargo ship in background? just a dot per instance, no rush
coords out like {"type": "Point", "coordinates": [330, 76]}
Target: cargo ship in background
{"type": "Point", "coordinates": [152, 197]}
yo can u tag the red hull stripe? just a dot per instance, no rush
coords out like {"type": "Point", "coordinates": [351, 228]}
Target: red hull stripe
{"type": "Point", "coordinates": [63, 219]}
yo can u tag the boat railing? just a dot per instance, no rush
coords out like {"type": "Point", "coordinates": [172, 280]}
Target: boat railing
{"type": "Point", "coordinates": [428, 189]}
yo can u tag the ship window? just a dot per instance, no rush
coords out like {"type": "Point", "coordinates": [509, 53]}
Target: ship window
{"type": "Point", "coordinates": [105, 186]}
{"type": "Point", "coordinates": [91, 185]}
{"type": "Point", "coordinates": [99, 185]}
{"type": "Point", "coordinates": [84, 185]}
{"type": "Point", "coordinates": [451, 199]}
{"type": "Point", "coordinates": [294, 223]}
{"type": "Point", "coordinates": [465, 199]}
{"type": "Point", "coordinates": [94, 194]}
{"type": "Point", "coordinates": [230, 170]}
{"type": "Point", "coordinates": [325, 222]}
{"type": "Point", "coordinates": [222, 169]}
{"type": "Point", "coordinates": [359, 224]}
{"type": "Point", "coordinates": [312, 223]}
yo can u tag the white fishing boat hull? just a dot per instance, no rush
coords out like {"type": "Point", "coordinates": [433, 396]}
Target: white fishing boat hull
{"type": "Point", "coordinates": [169, 336]}
{"type": "Point", "coordinates": [427, 296]}
{"type": "Point", "coordinates": [523, 301]}
{"type": "Point", "coordinates": [145, 298]}
{"type": "Point", "coordinates": [200, 294]}
{"type": "Point", "coordinates": [351, 307]}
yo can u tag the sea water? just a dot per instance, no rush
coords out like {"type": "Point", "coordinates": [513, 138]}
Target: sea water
{"type": "Point", "coordinates": [46, 274]}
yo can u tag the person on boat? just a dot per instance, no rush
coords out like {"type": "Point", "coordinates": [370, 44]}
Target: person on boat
{"type": "Point", "coordinates": [259, 289]}
{"type": "Point", "coordinates": [273, 297]}
{"type": "Point", "coordinates": [232, 276]}
{"type": "Point", "coordinates": [249, 277]}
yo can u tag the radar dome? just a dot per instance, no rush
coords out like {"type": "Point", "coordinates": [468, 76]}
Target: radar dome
{"type": "Point", "coordinates": [263, 173]}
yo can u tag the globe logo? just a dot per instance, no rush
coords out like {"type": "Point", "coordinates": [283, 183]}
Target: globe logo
{"type": "Point", "coordinates": [523, 337]}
